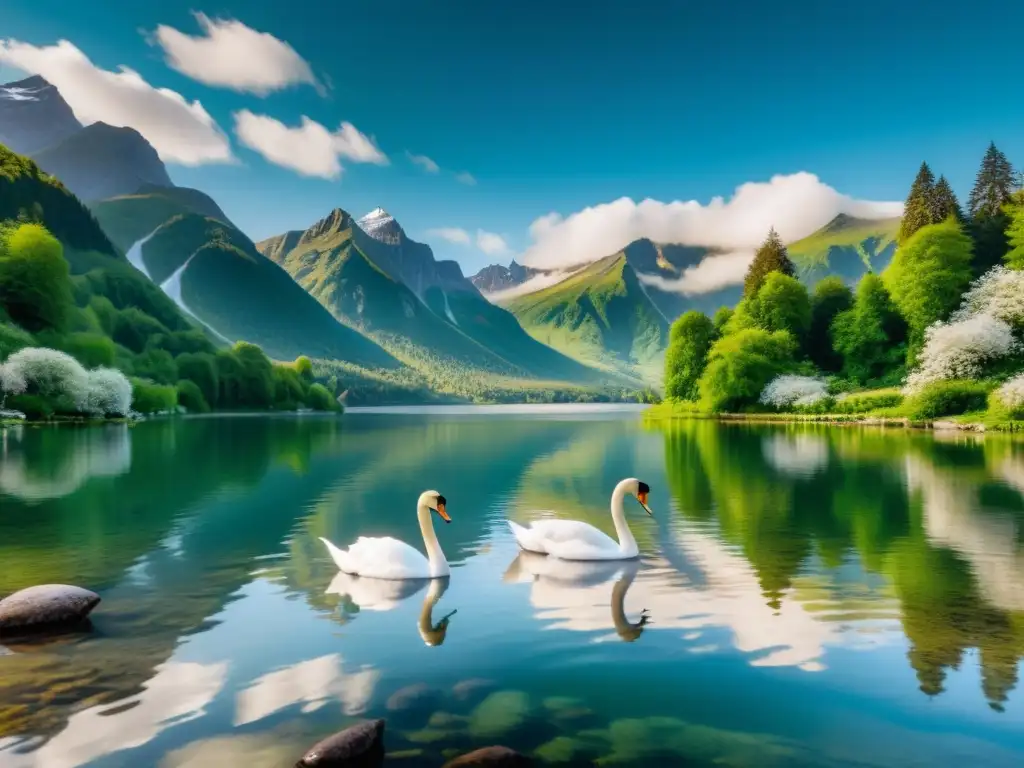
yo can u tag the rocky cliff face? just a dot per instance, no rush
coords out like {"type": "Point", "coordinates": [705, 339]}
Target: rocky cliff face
{"type": "Point", "coordinates": [34, 116]}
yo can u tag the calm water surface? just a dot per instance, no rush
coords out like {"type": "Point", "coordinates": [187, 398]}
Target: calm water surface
{"type": "Point", "coordinates": [814, 597]}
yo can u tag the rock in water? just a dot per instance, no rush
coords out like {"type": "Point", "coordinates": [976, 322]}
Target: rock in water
{"type": "Point", "coordinates": [491, 757]}
{"type": "Point", "coordinates": [46, 607]}
{"type": "Point", "coordinates": [361, 746]}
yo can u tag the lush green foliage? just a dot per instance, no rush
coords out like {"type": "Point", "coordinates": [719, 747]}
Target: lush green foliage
{"type": "Point", "coordinates": [1015, 232]}
{"type": "Point", "coordinates": [869, 336]}
{"type": "Point", "coordinates": [690, 339]}
{"type": "Point", "coordinates": [948, 398]}
{"type": "Point", "coordinates": [918, 209]}
{"type": "Point", "coordinates": [191, 398]}
{"type": "Point", "coordinates": [741, 364]}
{"type": "Point", "coordinates": [90, 349]}
{"type": "Point", "coordinates": [149, 397]}
{"type": "Point", "coordinates": [35, 281]}
{"type": "Point", "coordinates": [319, 399]}
{"type": "Point", "coordinates": [943, 203]}
{"type": "Point", "coordinates": [929, 274]}
{"type": "Point", "coordinates": [13, 338]}
{"type": "Point", "coordinates": [831, 297]}
{"type": "Point", "coordinates": [781, 304]}
{"type": "Point", "coordinates": [770, 257]}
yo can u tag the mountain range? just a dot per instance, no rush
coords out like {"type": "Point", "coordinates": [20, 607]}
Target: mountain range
{"type": "Point", "coordinates": [360, 290]}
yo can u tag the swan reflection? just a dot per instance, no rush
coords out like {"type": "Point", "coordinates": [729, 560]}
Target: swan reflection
{"type": "Point", "coordinates": [577, 588]}
{"type": "Point", "coordinates": [365, 593]}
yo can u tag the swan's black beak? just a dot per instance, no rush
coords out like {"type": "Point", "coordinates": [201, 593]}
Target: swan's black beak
{"type": "Point", "coordinates": [642, 498]}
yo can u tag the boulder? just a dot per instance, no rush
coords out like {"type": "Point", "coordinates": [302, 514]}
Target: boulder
{"type": "Point", "coordinates": [490, 757]}
{"type": "Point", "coordinates": [44, 608]}
{"type": "Point", "coordinates": [360, 746]}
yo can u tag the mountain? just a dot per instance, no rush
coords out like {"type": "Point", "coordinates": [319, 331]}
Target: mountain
{"type": "Point", "coordinates": [101, 161]}
{"type": "Point", "coordinates": [375, 279]}
{"type": "Point", "coordinates": [846, 246]}
{"type": "Point", "coordinates": [34, 116]}
{"type": "Point", "coordinates": [496, 277]}
{"type": "Point", "coordinates": [215, 274]}
{"type": "Point", "coordinates": [601, 315]}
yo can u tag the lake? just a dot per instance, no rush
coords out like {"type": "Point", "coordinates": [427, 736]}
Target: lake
{"type": "Point", "coordinates": [805, 596]}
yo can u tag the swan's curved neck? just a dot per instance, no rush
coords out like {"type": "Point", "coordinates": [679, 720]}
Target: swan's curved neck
{"type": "Point", "coordinates": [626, 541]}
{"type": "Point", "coordinates": [438, 563]}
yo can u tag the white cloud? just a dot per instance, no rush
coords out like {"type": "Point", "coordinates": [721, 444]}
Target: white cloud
{"type": "Point", "coordinates": [490, 243]}
{"type": "Point", "coordinates": [466, 178]}
{"type": "Point", "coordinates": [536, 283]}
{"type": "Point", "coordinates": [711, 274]}
{"type": "Point", "coordinates": [309, 149]}
{"type": "Point", "coordinates": [181, 131]}
{"type": "Point", "coordinates": [229, 54]}
{"type": "Point", "coordinates": [796, 205]}
{"type": "Point", "coordinates": [424, 162]}
{"type": "Point", "coordinates": [452, 235]}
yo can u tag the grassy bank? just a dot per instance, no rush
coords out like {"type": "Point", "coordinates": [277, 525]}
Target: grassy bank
{"type": "Point", "coordinates": [977, 421]}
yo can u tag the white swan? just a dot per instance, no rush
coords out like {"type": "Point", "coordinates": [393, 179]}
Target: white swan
{"type": "Point", "coordinates": [388, 558]}
{"type": "Point", "coordinates": [573, 540]}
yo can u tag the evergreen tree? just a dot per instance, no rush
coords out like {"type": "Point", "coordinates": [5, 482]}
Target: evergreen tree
{"type": "Point", "coordinates": [917, 211]}
{"type": "Point", "coordinates": [944, 203]}
{"type": "Point", "coordinates": [770, 257]}
{"type": "Point", "coordinates": [869, 336]}
{"type": "Point", "coordinates": [993, 185]}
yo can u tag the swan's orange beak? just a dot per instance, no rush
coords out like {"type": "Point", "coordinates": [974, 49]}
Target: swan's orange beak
{"type": "Point", "coordinates": [443, 513]}
{"type": "Point", "coordinates": [642, 498]}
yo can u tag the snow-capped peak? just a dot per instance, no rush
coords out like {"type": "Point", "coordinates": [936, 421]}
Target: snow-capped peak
{"type": "Point", "coordinates": [381, 225]}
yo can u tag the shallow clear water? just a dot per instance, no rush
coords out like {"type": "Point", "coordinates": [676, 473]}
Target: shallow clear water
{"type": "Point", "coordinates": [814, 596]}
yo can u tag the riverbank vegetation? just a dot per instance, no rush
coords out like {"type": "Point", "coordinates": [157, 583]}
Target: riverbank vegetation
{"type": "Point", "coordinates": [939, 334]}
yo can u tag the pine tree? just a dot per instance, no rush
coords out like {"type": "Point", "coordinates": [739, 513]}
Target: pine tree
{"type": "Point", "coordinates": [917, 211]}
{"type": "Point", "coordinates": [770, 257]}
{"type": "Point", "coordinates": [993, 185]}
{"type": "Point", "coordinates": [944, 203]}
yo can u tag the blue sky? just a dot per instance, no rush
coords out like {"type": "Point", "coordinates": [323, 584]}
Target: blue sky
{"type": "Point", "coordinates": [553, 108]}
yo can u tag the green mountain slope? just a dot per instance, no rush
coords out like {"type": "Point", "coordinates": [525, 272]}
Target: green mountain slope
{"type": "Point", "coordinates": [847, 247]}
{"type": "Point", "coordinates": [600, 316]}
{"type": "Point", "coordinates": [98, 267]}
{"type": "Point", "coordinates": [128, 218]}
{"type": "Point", "coordinates": [215, 273]}
{"type": "Point", "coordinates": [362, 281]}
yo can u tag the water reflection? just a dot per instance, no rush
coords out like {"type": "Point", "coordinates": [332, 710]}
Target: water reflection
{"type": "Point", "coordinates": [832, 574]}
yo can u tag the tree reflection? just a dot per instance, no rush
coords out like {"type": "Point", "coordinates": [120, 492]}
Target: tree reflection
{"type": "Point", "coordinates": [939, 520]}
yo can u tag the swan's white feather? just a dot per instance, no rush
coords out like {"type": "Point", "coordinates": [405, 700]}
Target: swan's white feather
{"type": "Point", "coordinates": [380, 558]}
{"type": "Point", "coordinates": [567, 539]}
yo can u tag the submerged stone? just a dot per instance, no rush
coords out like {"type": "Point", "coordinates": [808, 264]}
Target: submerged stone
{"type": "Point", "coordinates": [490, 757]}
{"type": "Point", "coordinates": [44, 608]}
{"type": "Point", "coordinates": [360, 746]}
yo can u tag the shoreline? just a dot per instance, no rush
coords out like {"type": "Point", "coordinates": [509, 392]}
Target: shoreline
{"type": "Point", "coordinates": [668, 412]}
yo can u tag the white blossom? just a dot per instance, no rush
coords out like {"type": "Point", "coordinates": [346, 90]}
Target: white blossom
{"type": "Point", "coordinates": [788, 390]}
{"type": "Point", "coordinates": [998, 293]}
{"type": "Point", "coordinates": [959, 350]}
{"type": "Point", "coordinates": [110, 392]}
{"type": "Point", "coordinates": [52, 374]}
{"type": "Point", "coordinates": [1011, 394]}
{"type": "Point", "coordinates": [12, 382]}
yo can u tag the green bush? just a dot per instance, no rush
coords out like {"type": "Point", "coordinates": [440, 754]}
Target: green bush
{"type": "Point", "coordinates": [34, 407]}
{"type": "Point", "coordinates": [289, 392]}
{"type": "Point", "coordinates": [998, 409]}
{"type": "Point", "coordinates": [741, 365]}
{"type": "Point", "coordinates": [947, 398]}
{"type": "Point", "coordinates": [92, 350]}
{"type": "Point", "coordinates": [868, 401]}
{"type": "Point", "coordinates": [133, 327]}
{"type": "Point", "coordinates": [319, 399]}
{"type": "Point", "coordinates": [13, 338]}
{"type": "Point", "coordinates": [35, 280]}
{"type": "Point", "coordinates": [304, 367]}
{"type": "Point", "coordinates": [201, 369]}
{"type": "Point", "coordinates": [689, 341]}
{"type": "Point", "coordinates": [105, 312]}
{"type": "Point", "coordinates": [190, 396]}
{"type": "Point", "coordinates": [148, 397]}
{"type": "Point", "coordinates": [157, 365]}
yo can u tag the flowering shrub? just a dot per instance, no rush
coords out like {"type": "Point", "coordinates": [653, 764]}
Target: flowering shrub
{"type": "Point", "coordinates": [12, 382]}
{"type": "Point", "coordinates": [789, 390]}
{"type": "Point", "coordinates": [958, 350]}
{"type": "Point", "coordinates": [109, 392]}
{"type": "Point", "coordinates": [52, 375]}
{"type": "Point", "coordinates": [998, 293]}
{"type": "Point", "coordinates": [947, 398]}
{"type": "Point", "coordinates": [1011, 396]}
